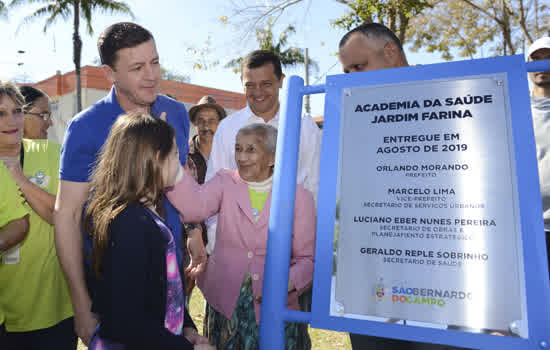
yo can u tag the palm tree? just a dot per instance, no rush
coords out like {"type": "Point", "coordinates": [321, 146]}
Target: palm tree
{"type": "Point", "coordinates": [53, 10]}
{"type": "Point", "coordinates": [290, 57]}
{"type": "Point", "coordinates": [3, 10]}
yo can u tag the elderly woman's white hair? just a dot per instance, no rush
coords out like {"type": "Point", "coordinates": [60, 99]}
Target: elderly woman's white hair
{"type": "Point", "coordinates": [265, 132]}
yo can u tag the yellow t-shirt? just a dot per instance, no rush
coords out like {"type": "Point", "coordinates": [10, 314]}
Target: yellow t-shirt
{"type": "Point", "coordinates": [33, 292]}
{"type": "Point", "coordinates": [11, 205]}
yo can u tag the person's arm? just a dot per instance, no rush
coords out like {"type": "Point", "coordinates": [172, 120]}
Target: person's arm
{"type": "Point", "coordinates": [40, 201]}
{"type": "Point", "coordinates": [196, 202]}
{"type": "Point", "coordinates": [68, 242]}
{"type": "Point", "coordinates": [303, 243]}
{"type": "Point", "coordinates": [13, 233]}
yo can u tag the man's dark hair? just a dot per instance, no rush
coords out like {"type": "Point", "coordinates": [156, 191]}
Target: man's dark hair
{"type": "Point", "coordinates": [259, 58]}
{"type": "Point", "coordinates": [373, 30]}
{"type": "Point", "coordinates": [120, 36]}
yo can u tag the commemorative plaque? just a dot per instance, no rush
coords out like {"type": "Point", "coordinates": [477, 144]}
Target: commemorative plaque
{"type": "Point", "coordinates": [428, 226]}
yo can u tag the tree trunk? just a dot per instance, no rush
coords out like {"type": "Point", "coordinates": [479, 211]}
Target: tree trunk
{"type": "Point", "coordinates": [403, 25]}
{"type": "Point", "coordinates": [506, 29]}
{"type": "Point", "coordinates": [77, 53]}
{"type": "Point", "coordinates": [392, 20]}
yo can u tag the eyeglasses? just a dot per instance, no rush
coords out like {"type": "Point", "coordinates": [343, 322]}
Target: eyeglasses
{"type": "Point", "coordinates": [43, 115]}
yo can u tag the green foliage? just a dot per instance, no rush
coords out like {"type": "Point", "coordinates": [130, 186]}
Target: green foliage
{"type": "Point", "coordinates": [290, 57]}
{"type": "Point", "coordinates": [77, 10]}
{"type": "Point", "coordinates": [168, 74]}
{"type": "Point", "coordinates": [202, 56]}
{"type": "Point", "coordinates": [478, 28]}
{"type": "Point", "coordinates": [64, 9]}
{"type": "Point", "coordinates": [395, 14]}
{"type": "Point", "coordinates": [3, 10]}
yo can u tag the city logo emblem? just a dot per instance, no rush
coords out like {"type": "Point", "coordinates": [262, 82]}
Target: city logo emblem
{"type": "Point", "coordinates": [379, 290]}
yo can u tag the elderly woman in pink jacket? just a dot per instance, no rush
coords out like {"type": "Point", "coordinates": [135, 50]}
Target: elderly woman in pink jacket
{"type": "Point", "coordinates": [233, 278]}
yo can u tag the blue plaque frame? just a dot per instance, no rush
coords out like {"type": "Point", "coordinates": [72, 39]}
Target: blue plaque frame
{"type": "Point", "coordinates": [537, 286]}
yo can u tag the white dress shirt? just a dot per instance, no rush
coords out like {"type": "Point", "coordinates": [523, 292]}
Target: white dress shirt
{"type": "Point", "coordinates": [223, 153]}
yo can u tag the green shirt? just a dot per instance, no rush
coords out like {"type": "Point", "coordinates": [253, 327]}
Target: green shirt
{"type": "Point", "coordinates": [33, 292]}
{"type": "Point", "coordinates": [257, 201]}
{"type": "Point", "coordinates": [11, 205]}
{"type": "Point", "coordinates": [11, 201]}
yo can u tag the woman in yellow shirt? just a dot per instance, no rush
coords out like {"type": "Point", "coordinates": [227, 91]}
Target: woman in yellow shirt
{"type": "Point", "coordinates": [34, 297]}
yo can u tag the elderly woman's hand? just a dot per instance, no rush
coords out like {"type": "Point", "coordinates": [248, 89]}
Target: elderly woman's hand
{"type": "Point", "coordinates": [197, 252]}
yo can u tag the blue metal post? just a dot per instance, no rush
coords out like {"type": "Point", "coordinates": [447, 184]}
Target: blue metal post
{"type": "Point", "coordinates": [281, 218]}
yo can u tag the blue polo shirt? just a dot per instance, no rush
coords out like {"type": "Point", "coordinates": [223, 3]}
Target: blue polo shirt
{"type": "Point", "coordinates": [88, 131]}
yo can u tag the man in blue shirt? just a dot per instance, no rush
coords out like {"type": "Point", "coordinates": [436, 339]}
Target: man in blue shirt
{"type": "Point", "coordinates": [131, 62]}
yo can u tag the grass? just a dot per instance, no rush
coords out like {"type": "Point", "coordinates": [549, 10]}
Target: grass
{"type": "Point", "coordinates": [320, 339]}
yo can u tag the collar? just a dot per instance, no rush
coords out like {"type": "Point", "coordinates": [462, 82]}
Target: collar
{"type": "Point", "coordinates": [262, 186]}
{"type": "Point", "coordinates": [195, 141]}
{"type": "Point", "coordinates": [540, 102]}
{"type": "Point", "coordinates": [113, 102]}
{"type": "Point", "coordinates": [252, 118]}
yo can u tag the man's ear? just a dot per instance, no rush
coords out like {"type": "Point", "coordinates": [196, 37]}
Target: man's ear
{"type": "Point", "coordinates": [391, 51]}
{"type": "Point", "coordinates": [109, 73]}
{"type": "Point", "coordinates": [282, 79]}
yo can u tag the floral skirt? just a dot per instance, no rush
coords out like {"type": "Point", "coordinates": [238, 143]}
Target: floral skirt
{"type": "Point", "coordinates": [241, 332]}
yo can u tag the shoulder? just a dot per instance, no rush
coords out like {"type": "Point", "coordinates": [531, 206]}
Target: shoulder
{"type": "Point", "coordinates": [233, 122]}
{"type": "Point", "coordinates": [42, 146]}
{"type": "Point", "coordinates": [228, 174]}
{"type": "Point", "coordinates": [102, 109]}
{"type": "Point", "coordinates": [133, 214]}
{"type": "Point", "coordinates": [133, 223]}
{"type": "Point", "coordinates": [166, 104]}
{"type": "Point", "coordinates": [309, 125]}
{"type": "Point", "coordinates": [44, 149]}
{"type": "Point", "coordinates": [92, 122]}
{"type": "Point", "coordinates": [176, 116]}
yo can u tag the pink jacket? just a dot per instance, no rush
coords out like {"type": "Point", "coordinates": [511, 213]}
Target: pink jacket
{"type": "Point", "coordinates": [240, 242]}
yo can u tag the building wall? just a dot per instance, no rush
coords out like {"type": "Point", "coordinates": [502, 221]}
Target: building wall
{"type": "Point", "coordinates": [64, 109]}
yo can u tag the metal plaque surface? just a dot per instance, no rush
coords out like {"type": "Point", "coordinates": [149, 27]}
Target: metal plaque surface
{"type": "Point", "coordinates": [428, 209]}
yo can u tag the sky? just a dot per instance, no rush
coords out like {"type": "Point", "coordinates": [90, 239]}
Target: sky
{"type": "Point", "coordinates": [177, 26]}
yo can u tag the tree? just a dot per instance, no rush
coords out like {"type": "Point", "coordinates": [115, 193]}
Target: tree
{"type": "Point", "coordinates": [168, 74]}
{"type": "Point", "coordinates": [395, 14]}
{"type": "Point", "coordinates": [290, 57]}
{"type": "Point", "coordinates": [80, 9]}
{"type": "Point", "coordinates": [3, 10]}
{"type": "Point", "coordinates": [480, 27]}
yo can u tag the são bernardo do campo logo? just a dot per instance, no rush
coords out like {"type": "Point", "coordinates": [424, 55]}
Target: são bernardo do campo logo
{"type": "Point", "coordinates": [420, 296]}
